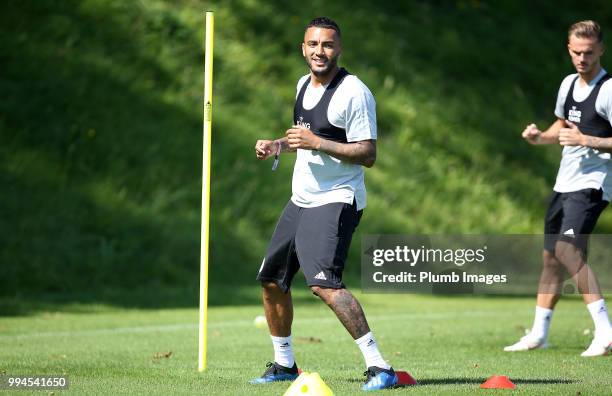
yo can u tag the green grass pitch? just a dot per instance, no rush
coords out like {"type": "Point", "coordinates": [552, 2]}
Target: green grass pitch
{"type": "Point", "coordinates": [449, 344]}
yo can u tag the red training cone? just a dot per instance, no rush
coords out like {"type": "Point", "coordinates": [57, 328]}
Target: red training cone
{"type": "Point", "coordinates": [405, 379]}
{"type": "Point", "coordinates": [498, 382]}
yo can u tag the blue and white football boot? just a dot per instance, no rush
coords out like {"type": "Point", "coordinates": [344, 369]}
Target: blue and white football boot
{"type": "Point", "coordinates": [275, 372]}
{"type": "Point", "coordinates": [379, 378]}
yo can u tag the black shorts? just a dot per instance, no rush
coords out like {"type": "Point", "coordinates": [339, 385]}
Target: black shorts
{"type": "Point", "coordinates": [314, 239]}
{"type": "Point", "coordinates": [571, 217]}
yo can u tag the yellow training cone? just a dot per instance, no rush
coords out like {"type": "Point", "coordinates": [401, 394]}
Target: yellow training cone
{"type": "Point", "coordinates": [309, 384]}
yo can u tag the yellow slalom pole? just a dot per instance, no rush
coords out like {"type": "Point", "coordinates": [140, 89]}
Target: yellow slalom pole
{"type": "Point", "coordinates": [206, 150]}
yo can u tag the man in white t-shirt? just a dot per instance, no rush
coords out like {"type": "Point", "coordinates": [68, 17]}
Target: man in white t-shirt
{"type": "Point", "coordinates": [334, 134]}
{"type": "Point", "coordinates": [582, 190]}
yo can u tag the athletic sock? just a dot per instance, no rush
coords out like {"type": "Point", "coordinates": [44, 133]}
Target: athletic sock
{"type": "Point", "coordinates": [283, 352]}
{"type": "Point", "coordinates": [369, 348]}
{"type": "Point", "coordinates": [599, 313]}
{"type": "Point", "coordinates": [541, 322]}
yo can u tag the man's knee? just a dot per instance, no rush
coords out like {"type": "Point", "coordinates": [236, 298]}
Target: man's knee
{"type": "Point", "coordinates": [271, 287]}
{"type": "Point", "coordinates": [570, 256]}
{"type": "Point", "coordinates": [317, 290]}
{"type": "Point", "coordinates": [568, 253]}
{"type": "Point", "coordinates": [324, 293]}
{"type": "Point", "coordinates": [551, 261]}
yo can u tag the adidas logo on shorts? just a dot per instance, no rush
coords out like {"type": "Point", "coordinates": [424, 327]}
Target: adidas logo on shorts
{"type": "Point", "coordinates": [320, 276]}
{"type": "Point", "coordinates": [569, 233]}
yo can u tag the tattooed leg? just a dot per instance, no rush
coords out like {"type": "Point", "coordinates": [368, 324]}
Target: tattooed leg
{"type": "Point", "coordinates": [347, 309]}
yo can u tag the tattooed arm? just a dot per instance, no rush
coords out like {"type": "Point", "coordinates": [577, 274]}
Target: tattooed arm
{"type": "Point", "coordinates": [361, 153]}
{"type": "Point", "coordinates": [572, 136]}
{"type": "Point", "coordinates": [601, 144]}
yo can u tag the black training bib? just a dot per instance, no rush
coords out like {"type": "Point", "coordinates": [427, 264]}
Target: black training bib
{"type": "Point", "coordinates": [315, 119]}
{"type": "Point", "coordinates": [584, 115]}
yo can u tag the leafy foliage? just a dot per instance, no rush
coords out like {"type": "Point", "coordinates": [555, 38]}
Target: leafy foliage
{"type": "Point", "coordinates": [100, 124]}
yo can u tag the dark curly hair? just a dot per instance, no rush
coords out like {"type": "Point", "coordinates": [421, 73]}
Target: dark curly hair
{"type": "Point", "coordinates": [324, 22]}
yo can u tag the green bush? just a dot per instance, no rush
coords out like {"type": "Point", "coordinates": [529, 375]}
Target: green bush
{"type": "Point", "coordinates": [100, 124]}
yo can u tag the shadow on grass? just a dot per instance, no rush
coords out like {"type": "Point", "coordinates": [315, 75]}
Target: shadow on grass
{"type": "Point", "coordinates": [143, 298]}
{"type": "Point", "coordinates": [459, 381]}
{"type": "Point", "coordinates": [478, 381]}
{"type": "Point", "coordinates": [471, 381]}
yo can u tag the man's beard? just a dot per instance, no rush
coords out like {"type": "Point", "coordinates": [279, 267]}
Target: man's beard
{"type": "Point", "coordinates": [330, 67]}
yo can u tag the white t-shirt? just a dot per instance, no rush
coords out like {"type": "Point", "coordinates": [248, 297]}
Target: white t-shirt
{"type": "Point", "coordinates": [584, 167]}
{"type": "Point", "coordinates": [319, 178]}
